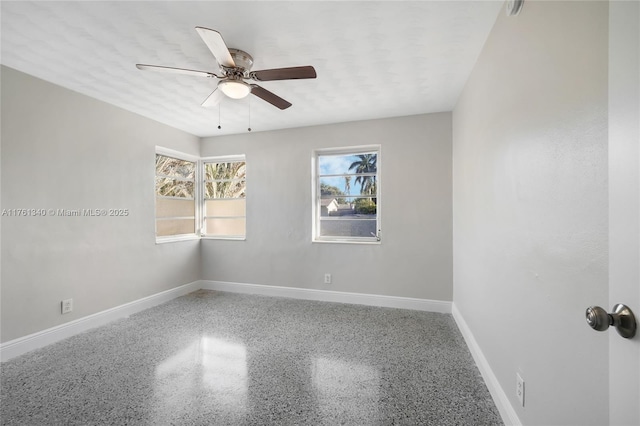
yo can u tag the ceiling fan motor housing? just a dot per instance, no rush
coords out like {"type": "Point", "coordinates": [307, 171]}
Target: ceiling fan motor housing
{"type": "Point", "coordinates": [243, 60]}
{"type": "Point", "coordinates": [234, 85]}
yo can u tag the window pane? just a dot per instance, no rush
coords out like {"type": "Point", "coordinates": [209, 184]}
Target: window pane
{"type": "Point", "coordinates": [175, 227]}
{"type": "Point", "coordinates": [355, 207]}
{"type": "Point", "coordinates": [224, 198]}
{"type": "Point", "coordinates": [226, 227]}
{"type": "Point", "coordinates": [172, 207]}
{"type": "Point", "coordinates": [348, 163]}
{"type": "Point", "coordinates": [220, 171]}
{"type": "Point", "coordinates": [222, 208]}
{"type": "Point", "coordinates": [348, 185]}
{"type": "Point", "coordinates": [168, 187]}
{"type": "Point", "coordinates": [168, 166]}
{"type": "Point", "coordinates": [226, 189]}
{"type": "Point", "coordinates": [175, 184]}
{"type": "Point", "coordinates": [347, 194]}
{"type": "Point", "coordinates": [343, 227]}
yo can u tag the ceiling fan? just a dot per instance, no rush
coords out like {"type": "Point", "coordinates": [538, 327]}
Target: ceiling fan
{"type": "Point", "coordinates": [235, 66]}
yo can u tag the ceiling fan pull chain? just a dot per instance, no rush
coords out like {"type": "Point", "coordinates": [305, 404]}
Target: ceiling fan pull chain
{"type": "Point", "coordinates": [249, 128]}
{"type": "Point", "coordinates": [219, 113]}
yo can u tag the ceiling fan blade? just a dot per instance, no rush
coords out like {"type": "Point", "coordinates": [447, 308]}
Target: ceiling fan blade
{"type": "Point", "coordinates": [272, 98]}
{"type": "Point", "coordinates": [217, 46]}
{"type": "Point", "coordinates": [213, 99]}
{"type": "Point", "coordinates": [175, 70]}
{"type": "Point", "coordinates": [292, 73]}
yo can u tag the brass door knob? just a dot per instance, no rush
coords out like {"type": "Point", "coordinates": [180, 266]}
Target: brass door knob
{"type": "Point", "coordinates": [621, 318]}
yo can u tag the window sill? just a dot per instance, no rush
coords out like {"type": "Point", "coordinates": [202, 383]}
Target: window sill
{"type": "Point", "coordinates": [365, 242]}
{"type": "Point", "coordinates": [211, 237]}
{"type": "Point", "coordinates": [175, 239]}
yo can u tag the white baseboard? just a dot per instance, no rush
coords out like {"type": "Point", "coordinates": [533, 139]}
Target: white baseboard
{"type": "Point", "coordinates": [14, 348]}
{"type": "Point", "coordinates": [46, 337]}
{"type": "Point", "coordinates": [507, 412]}
{"type": "Point", "coordinates": [22, 345]}
{"type": "Point", "coordinates": [332, 296]}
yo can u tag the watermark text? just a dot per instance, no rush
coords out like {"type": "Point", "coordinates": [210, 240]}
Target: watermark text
{"type": "Point", "coordinates": [65, 212]}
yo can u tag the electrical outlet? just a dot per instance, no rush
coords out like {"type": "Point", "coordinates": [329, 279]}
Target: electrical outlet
{"type": "Point", "coordinates": [67, 306]}
{"type": "Point", "coordinates": [520, 389]}
{"type": "Point", "coordinates": [327, 278]}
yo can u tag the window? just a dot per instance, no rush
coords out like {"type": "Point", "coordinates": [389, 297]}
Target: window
{"type": "Point", "coordinates": [225, 188]}
{"type": "Point", "coordinates": [175, 196]}
{"type": "Point", "coordinates": [347, 195]}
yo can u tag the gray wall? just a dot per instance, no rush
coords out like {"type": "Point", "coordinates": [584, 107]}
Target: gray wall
{"type": "Point", "coordinates": [530, 207]}
{"type": "Point", "coordinates": [64, 150]}
{"type": "Point", "coordinates": [414, 259]}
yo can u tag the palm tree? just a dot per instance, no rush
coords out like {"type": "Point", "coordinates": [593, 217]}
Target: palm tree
{"type": "Point", "coordinates": [366, 164]}
{"type": "Point", "coordinates": [347, 185]}
{"type": "Point", "coordinates": [225, 180]}
{"type": "Point", "coordinates": [174, 177]}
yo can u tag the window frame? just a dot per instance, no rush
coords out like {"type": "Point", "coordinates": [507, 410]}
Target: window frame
{"type": "Point", "coordinates": [220, 159]}
{"type": "Point", "coordinates": [166, 152]}
{"type": "Point", "coordinates": [316, 195]}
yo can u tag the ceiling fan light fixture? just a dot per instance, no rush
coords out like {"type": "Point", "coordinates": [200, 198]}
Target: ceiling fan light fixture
{"type": "Point", "coordinates": [235, 89]}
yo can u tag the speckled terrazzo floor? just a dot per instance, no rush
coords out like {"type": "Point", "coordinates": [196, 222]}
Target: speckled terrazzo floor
{"type": "Point", "coordinates": [214, 358]}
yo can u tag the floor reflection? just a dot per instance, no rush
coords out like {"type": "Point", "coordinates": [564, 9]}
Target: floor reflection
{"type": "Point", "coordinates": [210, 371]}
{"type": "Point", "coordinates": [346, 390]}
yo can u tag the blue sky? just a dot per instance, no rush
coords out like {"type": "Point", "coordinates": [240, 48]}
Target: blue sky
{"type": "Point", "coordinates": [335, 165]}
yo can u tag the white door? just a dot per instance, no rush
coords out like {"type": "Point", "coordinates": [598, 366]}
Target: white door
{"type": "Point", "coordinates": [624, 206]}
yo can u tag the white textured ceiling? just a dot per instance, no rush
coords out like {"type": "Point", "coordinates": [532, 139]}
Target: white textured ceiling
{"type": "Point", "coordinates": [373, 59]}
